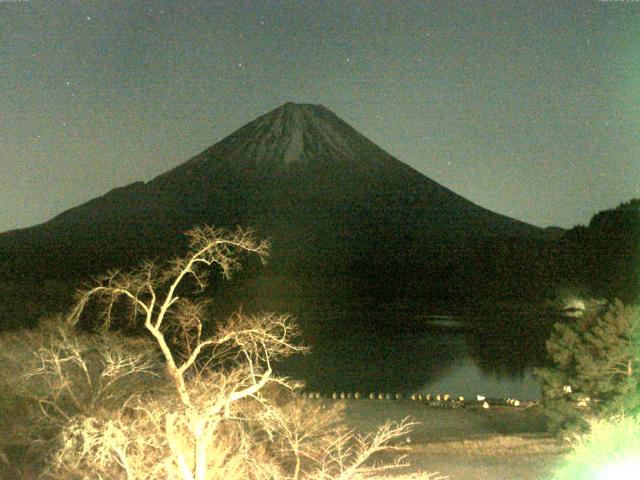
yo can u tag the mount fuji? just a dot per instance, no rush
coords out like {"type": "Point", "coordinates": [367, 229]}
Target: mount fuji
{"type": "Point", "coordinates": [331, 201]}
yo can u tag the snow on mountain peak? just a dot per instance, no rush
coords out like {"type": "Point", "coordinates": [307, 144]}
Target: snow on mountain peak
{"type": "Point", "coordinates": [291, 134]}
{"type": "Point", "coordinates": [295, 133]}
{"type": "Point", "coordinates": [300, 130]}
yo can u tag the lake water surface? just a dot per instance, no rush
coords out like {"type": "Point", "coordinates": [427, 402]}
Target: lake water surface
{"type": "Point", "coordinates": [492, 356]}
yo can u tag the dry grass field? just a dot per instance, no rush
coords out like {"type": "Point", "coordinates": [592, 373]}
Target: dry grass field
{"type": "Point", "coordinates": [499, 443]}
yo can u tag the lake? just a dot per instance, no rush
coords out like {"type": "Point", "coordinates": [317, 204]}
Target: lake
{"type": "Point", "coordinates": [492, 355]}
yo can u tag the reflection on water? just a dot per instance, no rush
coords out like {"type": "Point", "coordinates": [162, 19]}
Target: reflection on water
{"type": "Point", "coordinates": [469, 380]}
{"type": "Point", "coordinates": [369, 352]}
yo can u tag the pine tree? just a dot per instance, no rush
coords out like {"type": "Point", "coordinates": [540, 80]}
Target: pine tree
{"type": "Point", "coordinates": [594, 367]}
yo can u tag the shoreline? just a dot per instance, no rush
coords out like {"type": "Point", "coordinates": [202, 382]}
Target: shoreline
{"type": "Point", "coordinates": [500, 442]}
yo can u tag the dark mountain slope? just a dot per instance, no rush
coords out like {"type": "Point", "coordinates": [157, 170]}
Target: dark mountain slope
{"type": "Point", "coordinates": [332, 202]}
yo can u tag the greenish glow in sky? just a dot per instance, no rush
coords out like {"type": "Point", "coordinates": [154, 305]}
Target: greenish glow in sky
{"type": "Point", "coordinates": [529, 108]}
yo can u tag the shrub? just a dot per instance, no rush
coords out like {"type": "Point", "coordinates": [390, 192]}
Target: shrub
{"type": "Point", "coordinates": [610, 450]}
{"type": "Point", "coordinates": [53, 374]}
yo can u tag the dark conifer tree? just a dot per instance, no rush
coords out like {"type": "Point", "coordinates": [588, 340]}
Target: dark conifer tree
{"type": "Point", "coordinates": [594, 367]}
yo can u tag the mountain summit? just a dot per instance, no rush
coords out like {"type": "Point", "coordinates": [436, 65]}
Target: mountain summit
{"type": "Point", "coordinates": [289, 138]}
{"type": "Point", "coordinates": [292, 133]}
{"type": "Point", "coordinates": [301, 162]}
{"type": "Point", "coordinates": [328, 198]}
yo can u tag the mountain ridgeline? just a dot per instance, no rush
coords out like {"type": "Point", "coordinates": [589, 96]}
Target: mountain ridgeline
{"type": "Point", "coordinates": [334, 205]}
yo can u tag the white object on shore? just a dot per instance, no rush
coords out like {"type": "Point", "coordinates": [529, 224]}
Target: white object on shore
{"type": "Point", "coordinates": [583, 402]}
{"type": "Point", "coordinates": [485, 404]}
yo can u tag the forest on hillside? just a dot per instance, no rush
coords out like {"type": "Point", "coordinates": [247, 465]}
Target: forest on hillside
{"type": "Point", "coordinates": [599, 260]}
{"type": "Point", "coordinates": [602, 259]}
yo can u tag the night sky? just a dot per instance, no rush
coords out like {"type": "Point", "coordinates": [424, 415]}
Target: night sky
{"type": "Point", "coordinates": [528, 108]}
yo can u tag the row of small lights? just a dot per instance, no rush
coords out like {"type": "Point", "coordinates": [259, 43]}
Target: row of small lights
{"type": "Point", "coordinates": [416, 397]}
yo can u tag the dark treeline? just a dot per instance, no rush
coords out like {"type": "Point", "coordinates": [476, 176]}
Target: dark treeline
{"type": "Point", "coordinates": [603, 259]}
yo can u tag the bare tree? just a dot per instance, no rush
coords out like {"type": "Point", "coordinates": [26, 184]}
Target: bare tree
{"type": "Point", "coordinates": [217, 418]}
{"type": "Point", "coordinates": [50, 375]}
{"type": "Point", "coordinates": [153, 293]}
